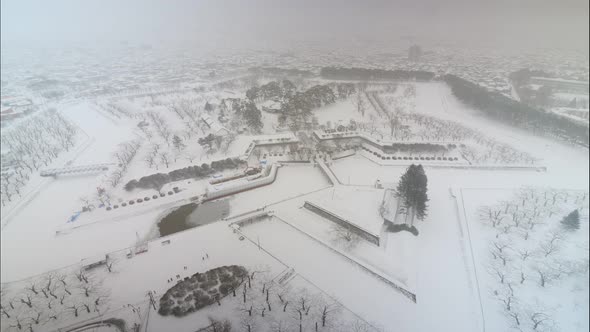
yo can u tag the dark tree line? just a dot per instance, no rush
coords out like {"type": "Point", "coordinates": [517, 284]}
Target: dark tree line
{"type": "Point", "coordinates": [280, 71]}
{"type": "Point", "coordinates": [247, 110]}
{"type": "Point", "coordinates": [502, 108]}
{"type": "Point", "coordinates": [158, 180]}
{"type": "Point", "coordinates": [273, 90]}
{"type": "Point", "coordinates": [374, 74]}
{"type": "Point", "coordinates": [343, 90]}
{"type": "Point", "coordinates": [314, 97]}
{"type": "Point", "coordinates": [419, 147]}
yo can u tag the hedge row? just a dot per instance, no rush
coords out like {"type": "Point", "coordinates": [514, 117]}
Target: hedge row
{"type": "Point", "coordinates": [156, 181]}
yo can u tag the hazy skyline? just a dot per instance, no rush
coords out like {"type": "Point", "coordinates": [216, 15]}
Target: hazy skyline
{"type": "Point", "coordinates": [527, 23]}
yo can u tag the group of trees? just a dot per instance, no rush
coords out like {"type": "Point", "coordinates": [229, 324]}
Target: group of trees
{"type": "Point", "coordinates": [115, 110]}
{"type": "Point", "coordinates": [201, 290]}
{"type": "Point", "coordinates": [312, 98]}
{"type": "Point", "coordinates": [415, 126]}
{"type": "Point", "coordinates": [274, 71]}
{"type": "Point", "coordinates": [127, 151]}
{"type": "Point", "coordinates": [265, 304]}
{"type": "Point", "coordinates": [343, 90]}
{"type": "Point", "coordinates": [502, 108]}
{"type": "Point", "coordinates": [245, 110]}
{"type": "Point", "coordinates": [46, 302]}
{"type": "Point", "coordinates": [161, 125]}
{"type": "Point", "coordinates": [274, 90]}
{"type": "Point", "coordinates": [525, 251]}
{"type": "Point", "coordinates": [32, 144]}
{"type": "Point", "coordinates": [520, 81]}
{"type": "Point", "coordinates": [257, 302]}
{"type": "Point", "coordinates": [157, 181]}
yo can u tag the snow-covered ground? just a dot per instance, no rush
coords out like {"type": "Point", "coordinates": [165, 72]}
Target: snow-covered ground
{"type": "Point", "coordinates": [439, 264]}
{"type": "Point", "coordinates": [547, 279]}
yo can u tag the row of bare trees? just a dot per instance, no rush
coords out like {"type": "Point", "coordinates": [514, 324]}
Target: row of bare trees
{"type": "Point", "coordinates": [265, 304]}
{"type": "Point", "coordinates": [47, 302]}
{"type": "Point", "coordinates": [124, 155]}
{"type": "Point", "coordinates": [34, 143]}
{"type": "Point", "coordinates": [526, 253]}
{"type": "Point", "coordinates": [405, 125]}
{"type": "Point", "coordinates": [115, 110]}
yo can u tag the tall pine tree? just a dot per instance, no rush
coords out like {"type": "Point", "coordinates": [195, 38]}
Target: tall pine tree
{"type": "Point", "coordinates": [571, 221]}
{"type": "Point", "coordinates": [253, 117]}
{"type": "Point", "coordinates": [412, 193]}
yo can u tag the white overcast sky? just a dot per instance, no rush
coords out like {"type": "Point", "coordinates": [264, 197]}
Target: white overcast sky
{"type": "Point", "coordinates": [539, 23]}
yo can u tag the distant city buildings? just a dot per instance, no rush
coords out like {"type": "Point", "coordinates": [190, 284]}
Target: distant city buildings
{"type": "Point", "coordinates": [216, 128]}
{"type": "Point", "coordinates": [414, 53]}
{"type": "Point", "coordinates": [562, 85]}
{"type": "Point", "coordinates": [14, 107]}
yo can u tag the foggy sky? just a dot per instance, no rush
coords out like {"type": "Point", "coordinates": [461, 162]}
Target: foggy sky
{"type": "Point", "coordinates": [500, 23]}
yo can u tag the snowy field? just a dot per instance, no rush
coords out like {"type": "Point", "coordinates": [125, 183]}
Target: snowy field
{"type": "Point", "coordinates": [532, 272]}
{"type": "Point", "coordinates": [447, 260]}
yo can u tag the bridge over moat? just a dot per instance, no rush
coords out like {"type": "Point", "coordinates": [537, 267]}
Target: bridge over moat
{"type": "Point", "coordinates": [72, 170]}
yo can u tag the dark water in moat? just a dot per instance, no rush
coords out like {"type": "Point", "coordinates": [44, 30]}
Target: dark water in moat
{"type": "Point", "coordinates": [193, 215]}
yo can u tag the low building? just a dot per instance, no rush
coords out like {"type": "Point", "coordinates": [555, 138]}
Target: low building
{"type": "Point", "coordinates": [215, 127]}
{"type": "Point", "coordinates": [93, 262]}
{"type": "Point", "coordinates": [8, 114]}
{"type": "Point", "coordinates": [561, 84]}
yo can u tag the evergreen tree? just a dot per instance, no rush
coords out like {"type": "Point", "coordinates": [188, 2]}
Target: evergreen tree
{"type": "Point", "coordinates": [412, 192]}
{"type": "Point", "coordinates": [177, 142]}
{"type": "Point", "coordinates": [571, 221]}
{"type": "Point", "coordinates": [253, 117]}
{"type": "Point", "coordinates": [208, 107]}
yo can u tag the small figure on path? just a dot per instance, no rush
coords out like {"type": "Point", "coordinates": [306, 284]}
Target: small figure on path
{"type": "Point", "coordinates": [203, 258]}
{"type": "Point", "coordinates": [185, 267]}
{"type": "Point", "coordinates": [207, 255]}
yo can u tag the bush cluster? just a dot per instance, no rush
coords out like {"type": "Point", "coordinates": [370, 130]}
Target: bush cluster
{"type": "Point", "coordinates": [201, 290]}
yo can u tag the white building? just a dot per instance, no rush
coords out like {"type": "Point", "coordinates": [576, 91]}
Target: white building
{"type": "Point", "coordinates": [215, 127]}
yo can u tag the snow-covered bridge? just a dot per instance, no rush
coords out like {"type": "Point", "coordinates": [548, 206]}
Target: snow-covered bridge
{"type": "Point", "coordinates": [84, 169]}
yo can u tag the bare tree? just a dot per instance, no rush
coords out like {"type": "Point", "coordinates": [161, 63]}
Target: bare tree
{"type": "Point", "coordinates": [150, 160]}
{"type": "Point", "coordinates": [248, 322]}
{"type": "Point", "coordinates": [345, 236]}
{"type": "Point", "coordinates": [551, 244]}
{"type": "Point", "coordinates": [515, 315]}
{"type": "Point", "coordinates": [165, 158]}
{"type": "Point", "coordinates": [74, 308]}
{"type": "Point", "coordinates": [491, 215]}
{"type": "Point", "coordinates": [32, 288]}
{"type": "Point", "coordinates": [360, 326]}
{"type": "Point", "coordinates": [279, 326]}
{"type": "Point", "coordinates": [36, 318]}
{"type": "Point", "coordinates": [216, 325]}
{"type": "Point", "coordinates": [110, 263]}
{"type": "Point", "coordinates": [27, 301]}
{"type": "Point", "coordinates": [538, 318]}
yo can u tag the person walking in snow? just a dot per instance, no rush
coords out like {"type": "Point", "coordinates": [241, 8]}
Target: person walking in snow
{"type": "Point", "coordinates": [207, 255]}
